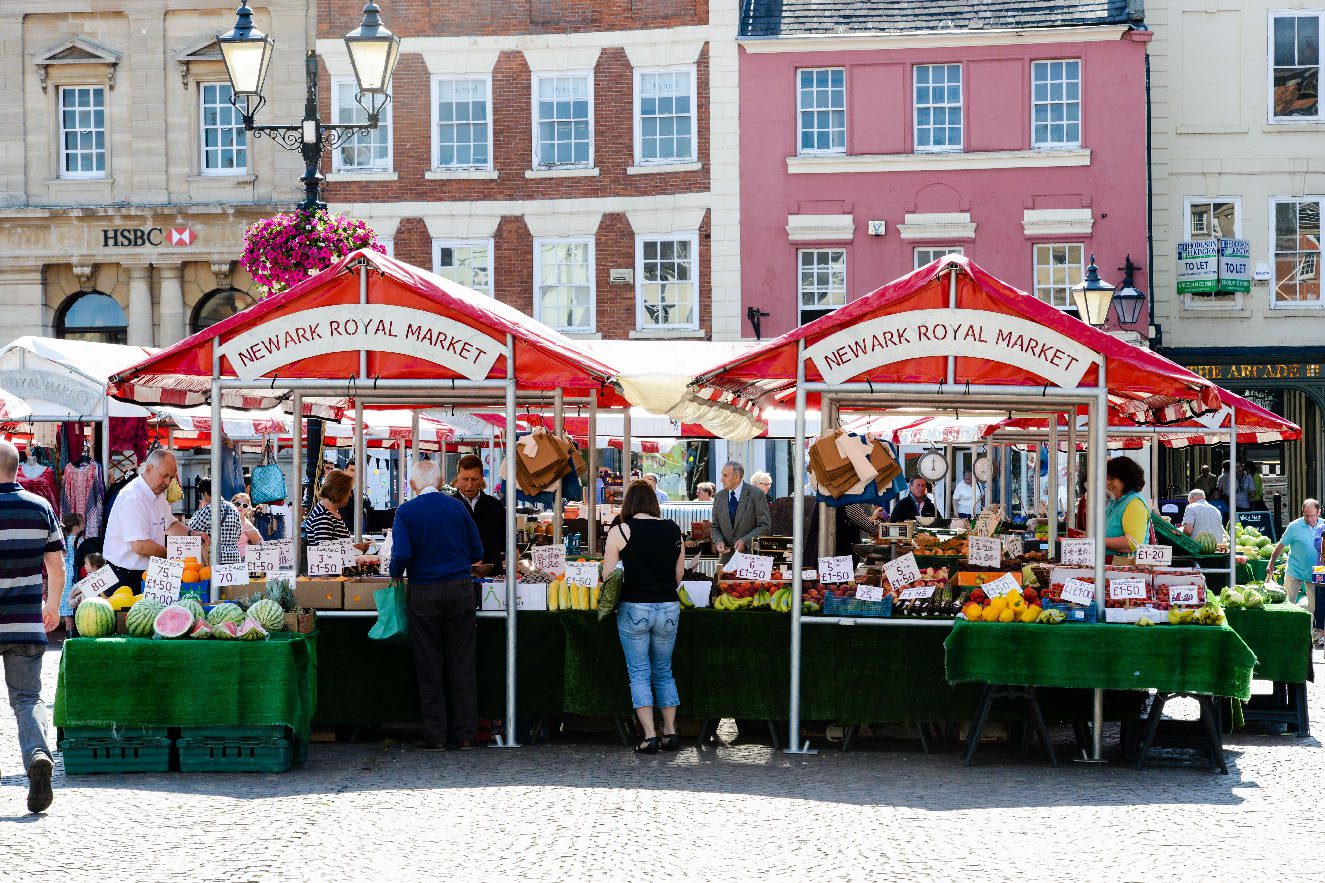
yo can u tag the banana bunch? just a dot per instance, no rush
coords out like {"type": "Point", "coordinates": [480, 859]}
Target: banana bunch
{"type": "Point", "coordinates": [1181, 615]}
{"type": "Point", "coordinates": [727, 602]}
{"type": "Point", "coordinates": [684, 597]}
{"type": "Point", "coordinates": [1209, 614]}
{"type": "Point", "coordinates": [1051, 615]}
{"type": "Point", "coordinates": [781, 601]}
{"type": "Point", "coordinates": [761, 600]}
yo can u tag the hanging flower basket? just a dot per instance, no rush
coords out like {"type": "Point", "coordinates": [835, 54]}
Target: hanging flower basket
{"type": "Point", "coordinates": [285, 249]}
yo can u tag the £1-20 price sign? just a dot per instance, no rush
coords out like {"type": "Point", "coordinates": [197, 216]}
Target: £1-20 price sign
{"type": "Point", "coordinates": [1154, 555]}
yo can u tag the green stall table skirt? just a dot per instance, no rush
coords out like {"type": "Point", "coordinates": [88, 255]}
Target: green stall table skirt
{"type": "Point", "coordinates": [1280, 636]}
{"type": "Point", "coordinates": [139, 682]}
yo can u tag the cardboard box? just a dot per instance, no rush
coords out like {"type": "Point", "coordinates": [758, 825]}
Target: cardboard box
{"type": "Point", "coordinates": [528, 596]}
{"type": "Point", "coordinates": [320, 594]}
{"type": "Point", "coordinates": [359, 592]}
{"type": "Point", "coordinates": [241, 590]}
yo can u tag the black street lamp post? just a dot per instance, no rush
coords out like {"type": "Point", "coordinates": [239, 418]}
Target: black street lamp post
{"type": "Point", "coordinates": [247, 54]}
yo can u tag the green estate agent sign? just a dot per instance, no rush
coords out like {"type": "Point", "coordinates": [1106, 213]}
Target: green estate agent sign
{"type": "Point", "coordinates": [1198, 267]}
{"type": "Point", "coordinates": [1235, 266]}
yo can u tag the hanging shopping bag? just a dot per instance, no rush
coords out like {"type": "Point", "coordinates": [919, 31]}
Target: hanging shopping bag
{"type": "Point", "coordinates": [610, 594]}
{"type": "Point", "coordinates": [267, 481]}
{"type": "Point", "coordinates": [392, 614]}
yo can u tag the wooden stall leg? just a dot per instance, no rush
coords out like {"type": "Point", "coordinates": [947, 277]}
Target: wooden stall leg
{"type": "Point", "coordinates": [978, 724]}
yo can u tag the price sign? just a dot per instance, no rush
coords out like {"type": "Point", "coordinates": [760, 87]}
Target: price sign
{"type": "Point", "coordinates": [838, 569]}
{"type": "Point", "coordinates": [902, 571]}
{"type": "Point", "coordinates": [808, 575]}
{"type": "Point", "coordinates": [1184, 596]}
{"type": "Point", "coordinates": [1130, 589]}
{"type": "Point", "coordinates": [325, 559]}
{"type": "Point", "coordinates": [869, 593]}
{"type": "Point", "coordinates": [582, 573]}
{"type": "Point", "coordinates": [230, 574]}
{"type": "Point", "coordinates": [984, 551]}
{"type": "Point", "coordinates": [550, 559]}
{"type": "Point", "coordinates": [1012, 547]}
{"type": "Point", "coordinates": [916, 593]}
{"type": "Point", "coordinates": [1078, 591]}
{"type": "Point", "coordinates": [179, 548]}
{"type": "Point", "coordinates": [96, 583]}
{"type": "Point", "coordinates": [999, 587]}
{"type": "Point", "coordinates": [349, 556]}
{"type": "Point", "coordinates": [1154, 556]}
{"type": "Point", "coordinates": [263, 558]}
{"type": "Point", "coordinates": [987, 522]}
{"type": "Point", "coordinates": [162, 580]}
{"type": "Point", "coordinates": [746, 566]}
{"type": "Point", "coordinates": [384, 554]}
{"type": "Point", "coordinates": [1077, 551]}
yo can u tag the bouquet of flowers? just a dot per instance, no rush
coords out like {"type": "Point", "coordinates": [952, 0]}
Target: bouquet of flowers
{"type": "Point", "coordinates": [285, 249]}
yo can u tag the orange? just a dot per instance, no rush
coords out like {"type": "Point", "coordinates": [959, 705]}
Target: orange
{"type": "Point", "coordinates": [191, 560]}
{"type": "Point", "coordinates": [205, 574]}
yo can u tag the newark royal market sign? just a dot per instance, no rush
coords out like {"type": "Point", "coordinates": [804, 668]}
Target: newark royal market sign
{"type": "Point", "coordinates": [390, 329]}
{"type": "Point", "coordinates": [977, 334]}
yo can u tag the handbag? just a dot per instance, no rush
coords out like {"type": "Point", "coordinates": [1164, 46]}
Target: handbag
{"type": "Point", "coordinates": [392, 614]}
{"type": "Point", "coordinates": [609, 596]}
{"type": "Point", "coordinates": [267, 480]}
{"type": "Point", "coordinates": [174, 493]}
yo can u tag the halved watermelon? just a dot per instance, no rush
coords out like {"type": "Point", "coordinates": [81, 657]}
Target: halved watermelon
{"type": "Point", "coordinates": [173, 622]}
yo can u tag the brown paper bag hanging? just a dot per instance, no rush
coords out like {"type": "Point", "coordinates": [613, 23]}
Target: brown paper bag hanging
{"type": "Point", "coordinates": [882, 459]}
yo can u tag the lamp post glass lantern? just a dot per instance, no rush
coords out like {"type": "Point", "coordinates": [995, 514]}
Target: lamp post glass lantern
{"type": "Point", "coordinates": [247, 53]}
{"type": "Point", "coordinates": [1092, 296]}
{"type": "Point", "coordinates": [1127, 300]}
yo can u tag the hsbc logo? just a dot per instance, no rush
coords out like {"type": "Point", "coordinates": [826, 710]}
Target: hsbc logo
{"type": "Point", "coordinates": [129, 237]}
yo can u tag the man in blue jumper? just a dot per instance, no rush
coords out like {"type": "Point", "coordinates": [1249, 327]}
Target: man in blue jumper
{"type": "Point", "coordinates": [435, 541]}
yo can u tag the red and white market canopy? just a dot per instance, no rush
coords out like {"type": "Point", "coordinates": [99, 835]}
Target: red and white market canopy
{"type": "Point", "coordinates": [999, 335]}
{"type": "Point", "coordinates": [413, 325]}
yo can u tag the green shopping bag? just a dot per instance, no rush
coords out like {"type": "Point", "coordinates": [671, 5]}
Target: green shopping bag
{"type": "Point", "coordinates": [392, 614]}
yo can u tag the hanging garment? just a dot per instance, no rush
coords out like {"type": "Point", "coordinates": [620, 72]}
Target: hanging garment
{"type": "Point", "coordinates": [84, 492]}
{"type": "Point", "coordinates": [43, 434]}
{"type": "Point", "coordinates": [74, 441]}
{"type": "Point", "coordinates": [40, 480]}
{"type": "Point", "coordinates": [232, 474]}
{"type": "Point", "coordinates": [129, 434]}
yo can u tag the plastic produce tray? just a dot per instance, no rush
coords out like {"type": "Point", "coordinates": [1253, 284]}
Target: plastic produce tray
{"type": "Point", "coordinates": [105, 755]}
{"type": "Point", "coordinates": [211, 755]}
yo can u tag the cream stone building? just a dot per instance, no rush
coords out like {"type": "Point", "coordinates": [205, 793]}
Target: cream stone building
{"type": "Point", "coordinates": [126, 177]}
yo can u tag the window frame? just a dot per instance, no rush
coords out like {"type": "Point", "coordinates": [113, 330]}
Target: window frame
{"type": "Point", "coordinates": [64, 174]}
{"type": "Point", "coordinates": [1070, 306]}
{"type": "Point", "coordinates": [202, 140]}
{"type": "Point", "coordinates": [690, 237]}
{"type": "Point", "coordinates": [489, 244]}
{"type": "Point", "coordinates": [435, 145]}
{"type": "Point", "coordinates": [337, 166]}
{"type": "Point", "coordinates": [1080, 101]}
{"type": "Point", "coordinates": [538, 243]}
{"type": "Point", "coordinates": [536, 161]}
{"type": "Point", "coordinates": [59, 328]}
{"type": "Point", "coordinates": [800, 292]}
{"type": "Point", "coordinates": [1317, 304]}
{"type": "Point", "coordinates": [961, 109]}
{"type": "Point", "coordinates": [940, 250]}
{"type": "Point", "coordinates": [800, 131]}
{"type": "Point", "coordinates": [640, 72]}
{"type": "Point", "coordinates": [196, 312]}
{"type": "Point", "coordinates": [1273, 14]}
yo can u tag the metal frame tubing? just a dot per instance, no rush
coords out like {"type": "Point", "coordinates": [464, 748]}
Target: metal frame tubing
{"type": "Point", "coordinates": [558, 413]}
{"type": "Point", "coordinates": [360, 464]}
{"type": "Point", "coordinates": [1100, 446]}
{"type": "Point", "coordinates": [1053, 483]}
{"type": "Point", "coordinates": [218, 434]}
{"type": "Point", "coordinates": [591, 496]}
{"type": "Point", "coordinates": [1233, 499]}
{"type": "Point", "coordinates": [511, 550]}
{"type": "Point", "coordinates": [297, 466]}
{"type": "Point", "coordinates": [795, 746]}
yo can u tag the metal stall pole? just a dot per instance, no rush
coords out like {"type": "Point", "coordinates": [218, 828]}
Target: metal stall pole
{"type": "Point", "coordinates": [1233, 499]}
{"type": "Point", "coordinates": [627, 455]}
{"type": "Point", "coordinates": [1053, 483]}
{"type": "Point", "coordinates": [1100, 443]}
{"type": "Point", "coordinates": [105, 443]}
{"type": "Point", "coordinates": [357, 495]}
{"type": "Point", "coordinates": [1071, 509]}
{"type": "Point", "coordinates": [794, 744]}
{"type": "Point", "coordinates": [297, 466]}
{"type": "Point", "coordinates": [214, 555]}
{"type": "Point", "coordinates": [1154, 470]}
{"type": "Point", "coordinates": [408, 491]}
{"type": "Point", "coordinates": [592, 496]}
{"type": "Point", "coordinates": [827, 538]}
{"type": "Point", "coordinates": [558, 502]}
{"type": "Point", "coordinates": [511, 553]}
{"type": "Point", "coordinates": [950, 480]}
{"type": "Point", "coordinates": [400, 472]}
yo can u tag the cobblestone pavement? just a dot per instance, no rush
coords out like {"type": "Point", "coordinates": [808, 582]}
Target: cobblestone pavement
{"type": "Point", "coordinates": [594, 811]}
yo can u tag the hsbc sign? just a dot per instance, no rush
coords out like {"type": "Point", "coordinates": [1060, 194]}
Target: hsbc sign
{"type": "Point", "coordinates": [138, 237]}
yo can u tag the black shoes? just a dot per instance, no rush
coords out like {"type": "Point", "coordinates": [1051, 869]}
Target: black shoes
{"type": "Point", "coordinates": [428, 745]}
{"type": "Point", "coordinates": [648, 746]}
{"type": "Point", "coordinates": [39, 783]}
{"type": "Point", "coordinates": [670, 742]}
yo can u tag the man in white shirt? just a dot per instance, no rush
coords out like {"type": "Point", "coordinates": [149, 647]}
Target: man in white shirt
{"type": "Point", "coordinates": [141, 519]}
{"type": "Point", "coordinates": [963, 496]}
{"type": "Point", "coordinates": [1201, 517]}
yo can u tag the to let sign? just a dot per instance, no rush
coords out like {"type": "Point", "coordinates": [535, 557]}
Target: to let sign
{"type": "Point", "coordinates": [1154, 556]}
{"type": "Point", "coordinates": [838, 569]}
{"type": "Point", "coordinates": [162, 581]}
{"type": "Point", "coordinates": [745, 566]}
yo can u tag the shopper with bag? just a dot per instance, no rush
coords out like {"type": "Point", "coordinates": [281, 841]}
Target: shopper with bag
{"type": "Point", "coordinates": [652, 553]}
{"type": "Point", "coordinates": [435, 542]}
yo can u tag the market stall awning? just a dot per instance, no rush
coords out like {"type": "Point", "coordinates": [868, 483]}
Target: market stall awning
{"type": "Point", "coordinates": [998, 335]}
{"type": "Point", "coordinates": [412, 324]}
{"type": "Point", "coordinates": [60, 380]}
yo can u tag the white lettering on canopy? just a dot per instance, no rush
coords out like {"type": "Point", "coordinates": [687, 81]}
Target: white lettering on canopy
{"type": "Point", "coordinates": [980, 334]}
{"type": "Point", "coordinates": [352, 327]}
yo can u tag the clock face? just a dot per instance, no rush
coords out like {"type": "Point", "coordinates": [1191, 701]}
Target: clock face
{"type": "Point", "coordinates": [933, 466]}
{"type": "Point", "coordinates": [982, 469]}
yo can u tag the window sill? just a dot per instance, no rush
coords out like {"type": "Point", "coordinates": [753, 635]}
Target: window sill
{"type": "Point", "coordinates": [223, 179]}
{"type": "Point", "coordinates": [939, 162]}
{"type": "Point", "coordinates": [582, 335]}
{"type": "Point", "coordinates": [460, 175]}
{"type": "Point", "coordinates": [1295, 312]}
{"type": "Point", "coordinates": [351, 176]}
{"type": "Point", "coordinates": [562, 173]}
{"type": "Point", "coordinates": [669, 334]}
{"type": "Point", "coordinates": [662, 168]}
{"type": "Point", "coordinates": [80, 181]}
{"type": "Point", "coordinates": [1315, 127]}
{"type": "Point", "coordinates": [1201, 129]}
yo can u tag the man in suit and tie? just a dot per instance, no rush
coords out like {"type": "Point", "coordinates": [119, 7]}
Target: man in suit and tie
{"type": "Point", "coordinates": [489, 513]}
{"type": "Point", "coordinates": [740, 513]}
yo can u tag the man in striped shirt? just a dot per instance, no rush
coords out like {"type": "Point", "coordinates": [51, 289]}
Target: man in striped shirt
{"type": "Point", "coordinates": [30, 536]}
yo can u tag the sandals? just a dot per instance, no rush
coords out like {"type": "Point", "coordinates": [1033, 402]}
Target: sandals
{"type": "Point", "coordinates": [670, 742]}
{"type": "Point", "coordinates": [648, 746]}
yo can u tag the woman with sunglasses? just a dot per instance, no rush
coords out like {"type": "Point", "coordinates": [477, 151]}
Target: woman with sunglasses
{"type": "Point", "coordinates": [247, 533]}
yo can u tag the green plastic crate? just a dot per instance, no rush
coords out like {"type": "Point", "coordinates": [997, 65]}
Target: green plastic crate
{"type": "Point", "coordinates": [235, 755]}
{"type": "Point", "coordinates": [234, 733]}
{"type": "Point", "coordinates": [114, 734]}
{"type": "Point", "coordinates": [141, 755]}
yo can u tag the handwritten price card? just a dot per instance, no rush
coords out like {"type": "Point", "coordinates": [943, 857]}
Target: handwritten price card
{"type": "Point", "coordinates": [162, 581]}
{"type": "Point", "coordinates": [96, 583]}
{"type": "Point", "coordinates": [902, 571]}
{"type": "Point", "coordinates": [1078, 591]}
{"type": "Point", "coordinates": [325, 559]}
{"type": "Point", "coordinates": [1154, 556]}
{"type": "Point", "coordinates": [179, 548]}
{"type": "Point", "coordinates": [838, 569]}
{"type": "Point", "coordinates": [984, 551]}
{"type": "Point", "coordinates": [758, 567]}
{"type": "Point", "coordinates": [1077, 551]}
{"type": "Point", "coordinates": [550, 559]}
{"type": "Point", "coordinates": [1128, 589]}
{"type": "Point", "coordinates": [1001, 586]}
{"type": "Point", "coordinates": [869, 593]}
{"type": "Point", "coordinates": [582, 573]}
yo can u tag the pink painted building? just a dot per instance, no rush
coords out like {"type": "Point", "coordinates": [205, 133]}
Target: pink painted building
{"type": "Point", "coordinates": [877, 137]}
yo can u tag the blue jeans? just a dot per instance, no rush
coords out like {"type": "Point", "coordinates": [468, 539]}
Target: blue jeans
{"type": "Point", "coordinates": [23, 677]}
{"type": "Point", "coordinates": [648, 634]}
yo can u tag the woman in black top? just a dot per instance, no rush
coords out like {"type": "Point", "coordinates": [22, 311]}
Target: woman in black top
{"type": "Point", "coordinates": [651, 550]}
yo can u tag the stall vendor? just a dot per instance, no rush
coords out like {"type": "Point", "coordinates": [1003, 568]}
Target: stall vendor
{"type": "Point", "coordinates": [916, 504]}
{"type": "Point", "coordinates": [740, 513]}
{"type": "Point", "coordinates": [141, 519]}
{"type": "Point", "coordinates": [1127, 516]}
{"type": "Point", "coordinates": [488, 512]}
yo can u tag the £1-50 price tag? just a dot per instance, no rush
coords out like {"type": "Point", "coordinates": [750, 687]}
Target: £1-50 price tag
{"type": "Point", "coordinates": [998, 587]}
{"type": "Point", "coordinates": [902, 571]}
{"type": "Point", "coordinates": [263, 558]}
{"type": "Point", "coordinates": [1128, 589]}
{"type": "Point", "coordinates": [1078, 591]}
{"type": "Point", "coordinates": [325, 559]}
{"type": "Point", "coordinates": [1077, 551]}
{"type": "Point", "coordinates": [179, 548]}
{"type": "Point", "coordinates": [1154, 556]}
{"type": "Point", "coordinates": [550, 559]}
{"type": "Point", "coordinates": [230, 574]}
{"type": "Point", "coordinates": [869, 593]}
{"type": "Point", "coordinates": [1184, 596]}
{"type": "Point", "coordinates": [759, 567]}
{"type": "Point", "coordinates": [582, 573]}
{"type": "Point", "coordinates": [162, 581]}
{"type": "Point", "coordinates": [838, 569]}
{"type": "Point", "coordinates": [984, 551]}
{"type": "Point", "coordinates": [96, 583]}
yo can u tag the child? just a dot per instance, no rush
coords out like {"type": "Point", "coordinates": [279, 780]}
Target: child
{"type": "Point", "coordinates": [73, 536]}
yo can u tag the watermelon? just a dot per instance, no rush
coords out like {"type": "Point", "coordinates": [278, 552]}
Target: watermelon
{"type": "Point", "coordinates": [225, 612]}
{"type": "Point", "coordinates": [173, 622]}
{"type": "Point", "coordinates": [95, 618]}
{"type": "Point", "coordinates": [268, 614]}
{"type": "Point", "coordinates": [224, 631]}
{"type": "Point", "coordinates": [194, 605]}
{"type": "Point", "coordinates": [200, 630]}
{"type": "Point", "coordinates": [251, 630]}
{"type": "Point", "coordinates": [141, 618]}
